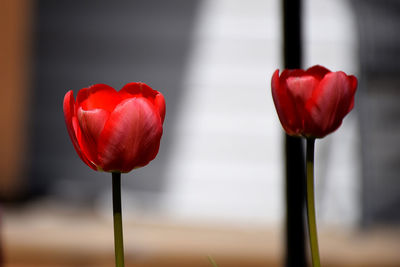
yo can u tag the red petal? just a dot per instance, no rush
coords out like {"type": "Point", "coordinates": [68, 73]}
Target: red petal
{"type": "Point", "coordinates": [160, 103]}
{"type": "Point", "coordinates": [353, 82]}
{"type": "Point", "coordinates": [330, 102]}
{"type": "Point", "coordinates": [291, 73]}
{"type": "Point", "coordinates": [143, 90]}
{"type": "Point", "coordinates": [284, 104]}
{"type": "Point", "coordinates": [279, 99]}
{"type": "Point", "coordinates": [300, 90]}
{"type": "Point", "coordinates": [317, 71]}
{"type": "Point", "coordinates": [84, 144]}
{"type": "Point", "coordinates": [98, 96]}
{"type": "Point", "coordinates": [92, 123]}
{"type": "Point", "coordinates": [137, 89]}
{"type": "Point", "coordinates": [131, 136]}
{"type": "Point", "coordinates": [69, 116]}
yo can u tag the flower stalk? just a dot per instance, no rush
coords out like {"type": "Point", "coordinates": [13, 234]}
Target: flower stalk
{"type": "Point", "coordinates": [312, 226]}
{"type": "Point", "coordinates": [212, 261]}
{"type": "Point", "coordinates": [117, 215]}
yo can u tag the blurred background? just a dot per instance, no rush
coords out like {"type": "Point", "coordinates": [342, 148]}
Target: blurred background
{"type": "Point", "coordinates": [216, 187]}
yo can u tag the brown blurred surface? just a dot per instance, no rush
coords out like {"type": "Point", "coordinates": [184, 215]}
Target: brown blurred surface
{"type": "Point", "coordinates": [57, 237]}
{"type": "Point", "coordinates": [15, 23]}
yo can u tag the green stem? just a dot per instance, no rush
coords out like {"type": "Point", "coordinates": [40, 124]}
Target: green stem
{"type": "Point", "coordinates": [118, 233]}
{"type": "Point", "coordinates": [213, 263]}
{"type": "Point", "coordinates": [312, 227]}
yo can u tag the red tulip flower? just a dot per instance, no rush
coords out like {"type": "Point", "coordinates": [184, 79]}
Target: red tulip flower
{"type": "Point", "coordinates": [115, 131]}
{"type": "Point", "coordinates": [312, 103]}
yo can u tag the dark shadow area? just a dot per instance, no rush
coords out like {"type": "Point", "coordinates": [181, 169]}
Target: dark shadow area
{"type": "Point", "coordinates": [379, 105]}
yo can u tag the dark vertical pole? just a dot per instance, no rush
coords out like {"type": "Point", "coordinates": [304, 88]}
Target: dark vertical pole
{"type": "Point", "coordinates": [295, 254]}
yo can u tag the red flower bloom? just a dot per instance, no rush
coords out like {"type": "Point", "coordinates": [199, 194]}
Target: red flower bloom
{"type": "Point", "coordinates": [312, 103]}
{"type": "Point", "coordinates": [115, 131]}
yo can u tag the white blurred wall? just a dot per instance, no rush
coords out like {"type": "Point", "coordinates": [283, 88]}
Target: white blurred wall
{"type": "Point", "coordinates": [226, 162]}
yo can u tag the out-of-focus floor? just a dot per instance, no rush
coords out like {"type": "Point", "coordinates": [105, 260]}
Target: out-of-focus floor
{"type": "Point", "coordinates": [62, 237]}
